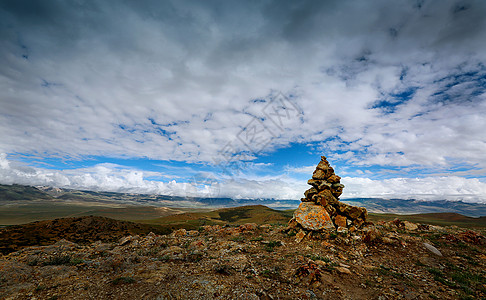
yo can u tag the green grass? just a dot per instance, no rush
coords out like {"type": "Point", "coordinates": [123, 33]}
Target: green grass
{"type": "Point", "coordinates": [454, 277]}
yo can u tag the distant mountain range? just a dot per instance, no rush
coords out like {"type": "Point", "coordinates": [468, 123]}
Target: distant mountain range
{"type": "Point", "coordinates": [20, 194]}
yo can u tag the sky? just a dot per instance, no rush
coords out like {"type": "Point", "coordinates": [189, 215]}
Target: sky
{"type": "Point", "coordinates": [241, 98]}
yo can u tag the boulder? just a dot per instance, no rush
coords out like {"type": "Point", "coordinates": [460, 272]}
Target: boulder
{"type": "Point", "coordinates": [313, 217]}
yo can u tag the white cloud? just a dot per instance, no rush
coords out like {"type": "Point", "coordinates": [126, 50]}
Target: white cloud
{"type": "Point", "coordinates": [305, 169]}
{"type": "Point", "coordinates": [175, 81]}
{"type": "Point", "coordinates": [451, 188]}
{"type": "Point", "coordinates": [116, 178]}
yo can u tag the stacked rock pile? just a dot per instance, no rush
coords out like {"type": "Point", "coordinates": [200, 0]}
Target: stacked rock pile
{"type": "Point", "coordinates": [321, 209]}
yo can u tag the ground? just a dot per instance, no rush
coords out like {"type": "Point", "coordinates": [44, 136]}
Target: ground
{"type": "Point", "coordinates": [387, 260]}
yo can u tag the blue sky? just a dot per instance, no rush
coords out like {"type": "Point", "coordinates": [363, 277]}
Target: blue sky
{"type": "Point", "coordinates": [240, 99]}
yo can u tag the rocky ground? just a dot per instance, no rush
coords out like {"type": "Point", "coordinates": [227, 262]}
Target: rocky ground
{"type": "Point", "coordinates": [387, 260]}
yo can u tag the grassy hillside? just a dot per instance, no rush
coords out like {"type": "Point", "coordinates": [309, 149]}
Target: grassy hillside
{"type": "Point", "coordinates": [236, 215]}
{"type": "Point", "coordinates": [443, 219]}
{"type": "Point", "coordinates": [22, 213]}
{"type": "Point", "coordinates": [17, 192]}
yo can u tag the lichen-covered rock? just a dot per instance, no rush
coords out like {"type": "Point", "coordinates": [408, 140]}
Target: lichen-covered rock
{"type": "Point", "coordinates": [313, 217]}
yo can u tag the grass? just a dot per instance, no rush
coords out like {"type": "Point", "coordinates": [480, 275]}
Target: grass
{"type": "Point", "coordinates": [457, 278]}
{"type": "Point", "coordinates": [442, 219]}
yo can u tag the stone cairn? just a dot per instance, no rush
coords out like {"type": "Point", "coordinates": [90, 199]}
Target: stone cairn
{"type": "Point", "coordinates": [321, 210]}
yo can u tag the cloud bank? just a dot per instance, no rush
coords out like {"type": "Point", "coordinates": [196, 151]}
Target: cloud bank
{"type": "Point", "coordinates": [378, 85]}
{"type": "Point", "coordinates": [115, 178]}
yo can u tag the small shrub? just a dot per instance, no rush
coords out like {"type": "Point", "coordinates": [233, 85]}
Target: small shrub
{"type": "Point", "coordinates": [238, 238]}
{"type": "Point", "coordinates": [123, 280]}
{"type": "Point", "coordinates": [164, 258]}
{"type": "Point", "coordinates": [76, 261]}
{"type": "Point", "coordinates": [271, 245]}
{"type": "Point", "coordinates": [33, 262]}
{"type": "Point", "coordinates": [435, 272]}
{"type": "Point", "coordinates": [257, 239]}
{"type": "Point", "coordinates": [40, 287]}
{"type": "Point", "coordinates": [58, 260]}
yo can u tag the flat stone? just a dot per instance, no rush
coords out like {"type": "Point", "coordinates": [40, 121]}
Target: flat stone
{"type": "Point", "coordinates": [343, 270]}
{"type": "Point", "coordinates": [432, 249]}
{"type": "Point", "coordinates": [334, 179]}
{"type": "Point", "coordinates": [313, 217]}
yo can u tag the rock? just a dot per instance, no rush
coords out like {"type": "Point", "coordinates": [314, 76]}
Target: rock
{"type": "Point", "coordinates": [340, 221]}
{"type": "Point", "coordinates": [342, 230]}
{"type": "Point", "coordinates": [432, 249]}
{"type": "Point", "coordinates": [248, 227]}
{"type": "Point", "coordinates": [292, 225]}
{"type": "Point", "coordinates": [172, 250]}
{"type": "Point", "coordinates": [334, 179]}
{"type": "Point", "coordinates": [193, 233]}
{"type": "Point", "coordinates": [125, 240]}
{"type": "Point", "coordinates": [410, 226]}
{"type": "Point", "coordinates": [313, 217]}
{"type": "Point", "coordinates": [343, 270]}
{"type": "Point", "coordinates": [319, 174]}
{"type": "Point", "coordinates": [323, 164]}
{"type": "Point", "coordinates": [299, 236]}
{"type": "Point", "coordinates": [371, 235]}
{"type": "Point", "coordinates": [180, 232]}
{"type": "Point", "coordinates": [308, 274]}
{"type": "Point", "coordinates": [310, 192]}
{"type": "Point", "coordinates": [337, 189]}
{"type": "Point", "coordinates": [326, 197]}
{"type": "Point", "coordinates": [357, 212]}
